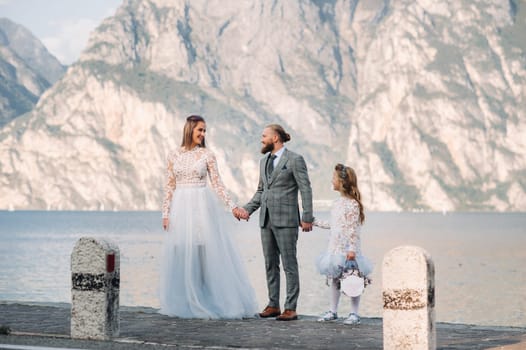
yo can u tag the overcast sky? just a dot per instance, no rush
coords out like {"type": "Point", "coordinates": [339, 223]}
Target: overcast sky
{"type": "Point", "coordinates": [63, 26]}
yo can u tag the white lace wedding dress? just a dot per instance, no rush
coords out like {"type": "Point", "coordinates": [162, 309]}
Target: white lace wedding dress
{"type": "Point", "coordinates": [201, 272]}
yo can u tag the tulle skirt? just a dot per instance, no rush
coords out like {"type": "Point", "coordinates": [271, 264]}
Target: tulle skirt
{"type": "Point", "coordinates": [201, 272]}
{"type": "Point", "coordinates": [333, 265]}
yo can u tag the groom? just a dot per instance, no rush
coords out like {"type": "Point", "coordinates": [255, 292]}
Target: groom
{"type": "Point", "coordinates": [282, 174]}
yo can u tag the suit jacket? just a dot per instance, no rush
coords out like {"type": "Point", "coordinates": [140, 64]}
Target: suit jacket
{"type": "Point", "coordinates": [278, 196]}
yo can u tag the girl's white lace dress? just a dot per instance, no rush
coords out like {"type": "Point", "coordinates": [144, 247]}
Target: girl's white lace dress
{"type": "Point", "coordinates": [345, 236]}
{"type": "Point", "coordinates": [201, 272]}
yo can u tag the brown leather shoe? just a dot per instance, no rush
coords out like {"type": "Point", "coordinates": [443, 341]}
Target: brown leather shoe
{"type": "Point", "coordinates": [287, 315]}
{"type": "Point", "coordinates": [270, 312]}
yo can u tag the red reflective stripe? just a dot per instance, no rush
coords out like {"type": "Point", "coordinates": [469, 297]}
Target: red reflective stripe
{"type": "Point", "coordinates": [110, 262]}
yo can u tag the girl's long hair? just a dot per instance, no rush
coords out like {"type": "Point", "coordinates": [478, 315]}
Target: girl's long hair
{"type": "Point", "coordinates": [349, 188]}
{"type": "Point", "coordinates": [189, 126]}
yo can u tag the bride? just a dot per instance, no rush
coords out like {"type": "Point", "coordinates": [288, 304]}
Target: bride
{"type": "Point", "coordinates": [201, 273]}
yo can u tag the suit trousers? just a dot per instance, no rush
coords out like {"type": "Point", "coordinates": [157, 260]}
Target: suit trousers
{"type": "Point", "coordinates": [276, 242]}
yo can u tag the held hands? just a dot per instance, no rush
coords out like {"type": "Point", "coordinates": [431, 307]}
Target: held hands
{"type": "Point", "coordinates": [306, 226]}
{"type": "Point", "coordinates": [166, 223]}
{"type": "Point", "coordinates": [351, 255]}
{"type": "Point", "coordinates": [240, 213]}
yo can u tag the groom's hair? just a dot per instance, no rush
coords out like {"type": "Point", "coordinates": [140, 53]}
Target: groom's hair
{"type": "Point", "coordinates": [189, 126]}
{"type": "Point", "coordinates": [278, 129]}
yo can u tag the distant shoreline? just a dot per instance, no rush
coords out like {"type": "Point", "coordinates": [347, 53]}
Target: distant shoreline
{"type": "Point", "coordinates": [316, 208]}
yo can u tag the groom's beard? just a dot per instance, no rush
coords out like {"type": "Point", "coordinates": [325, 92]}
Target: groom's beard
{"type": "Point", "coordinates": [269, 147]}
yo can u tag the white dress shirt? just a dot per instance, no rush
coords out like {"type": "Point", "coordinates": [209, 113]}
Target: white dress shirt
{"type": "Point", "coordinates": [278, 156]}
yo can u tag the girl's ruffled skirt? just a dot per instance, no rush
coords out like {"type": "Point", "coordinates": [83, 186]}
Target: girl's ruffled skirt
{"type": "Point", "coordinates": [334, 265]}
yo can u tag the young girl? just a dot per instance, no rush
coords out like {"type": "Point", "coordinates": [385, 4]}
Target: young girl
{"type": "Point", "coordinates": [344, 248]}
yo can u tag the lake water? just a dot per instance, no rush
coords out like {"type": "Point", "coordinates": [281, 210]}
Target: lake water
{"type": "Point", "coordinates": [480, 259]}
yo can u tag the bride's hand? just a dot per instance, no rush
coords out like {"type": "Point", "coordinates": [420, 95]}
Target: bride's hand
{"type": "Point", "coordinates": [351, 255]}
{"type": "Point", "coordinates": [166, 222]}
{"type": "Point", "coordinates": [240, 213]}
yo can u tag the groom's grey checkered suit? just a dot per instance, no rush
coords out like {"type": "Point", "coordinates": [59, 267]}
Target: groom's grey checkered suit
{"type": "Point", "coordinates": [279, 219]}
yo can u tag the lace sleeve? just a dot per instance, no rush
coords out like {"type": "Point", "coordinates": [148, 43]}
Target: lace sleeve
{"type": "Point", "coordinates": [215, 181]}
{"type": "Point", "coordinates": [351, 221]}
{"type": "Point", "coordinates": [169, 186]}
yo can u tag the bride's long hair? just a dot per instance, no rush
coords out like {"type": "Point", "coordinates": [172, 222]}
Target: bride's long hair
{"type": "Point", "coordinates": [188, 130]}
{"type": "Point", "coordinates": [349, 188]}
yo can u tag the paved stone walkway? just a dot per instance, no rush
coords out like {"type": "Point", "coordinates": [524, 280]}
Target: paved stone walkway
{"type": "Point", "coordinates": [142, 328]}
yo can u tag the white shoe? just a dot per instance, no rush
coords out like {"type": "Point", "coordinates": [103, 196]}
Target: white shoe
{"type": "Point", "coordinates": [329, 316]}
{"type": "Point", "coordinates": [353, 319]}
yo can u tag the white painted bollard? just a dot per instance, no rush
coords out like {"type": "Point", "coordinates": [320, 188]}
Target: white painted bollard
{"type": "Point", "coordinates": [95, 277]}
{"type": "Point", "coordinates": [408, 279]}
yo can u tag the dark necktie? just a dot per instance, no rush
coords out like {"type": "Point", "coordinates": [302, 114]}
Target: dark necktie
{"type": "Point", "coordinates": [270, 164]}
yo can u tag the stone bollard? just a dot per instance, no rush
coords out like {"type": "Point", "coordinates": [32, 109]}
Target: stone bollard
{"type": "Point", "coordinates": [95, 277]}
{"type": "Point", "coordinates": [408, 278]}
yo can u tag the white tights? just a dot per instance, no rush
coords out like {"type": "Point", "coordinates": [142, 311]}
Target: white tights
{"type": "Point", "coordinates": [335, 298]}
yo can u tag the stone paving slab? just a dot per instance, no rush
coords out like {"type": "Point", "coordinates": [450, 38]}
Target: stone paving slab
{"type": "Point", "coordinates": [143, 328]}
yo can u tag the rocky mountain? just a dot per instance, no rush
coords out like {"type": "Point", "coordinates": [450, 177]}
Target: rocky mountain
{"type": "Point", "coordinates": [425, 99]}
{"type": "Point", "coordinates": [27, 69]}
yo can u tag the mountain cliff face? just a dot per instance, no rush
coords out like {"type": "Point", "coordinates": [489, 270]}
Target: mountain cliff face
{"type": "Point", "coordinates": [27, 69]}
{"type": "Point", "coordinates": [425, 100]}
{"type": "Point", "coordinates": [440, 116]}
